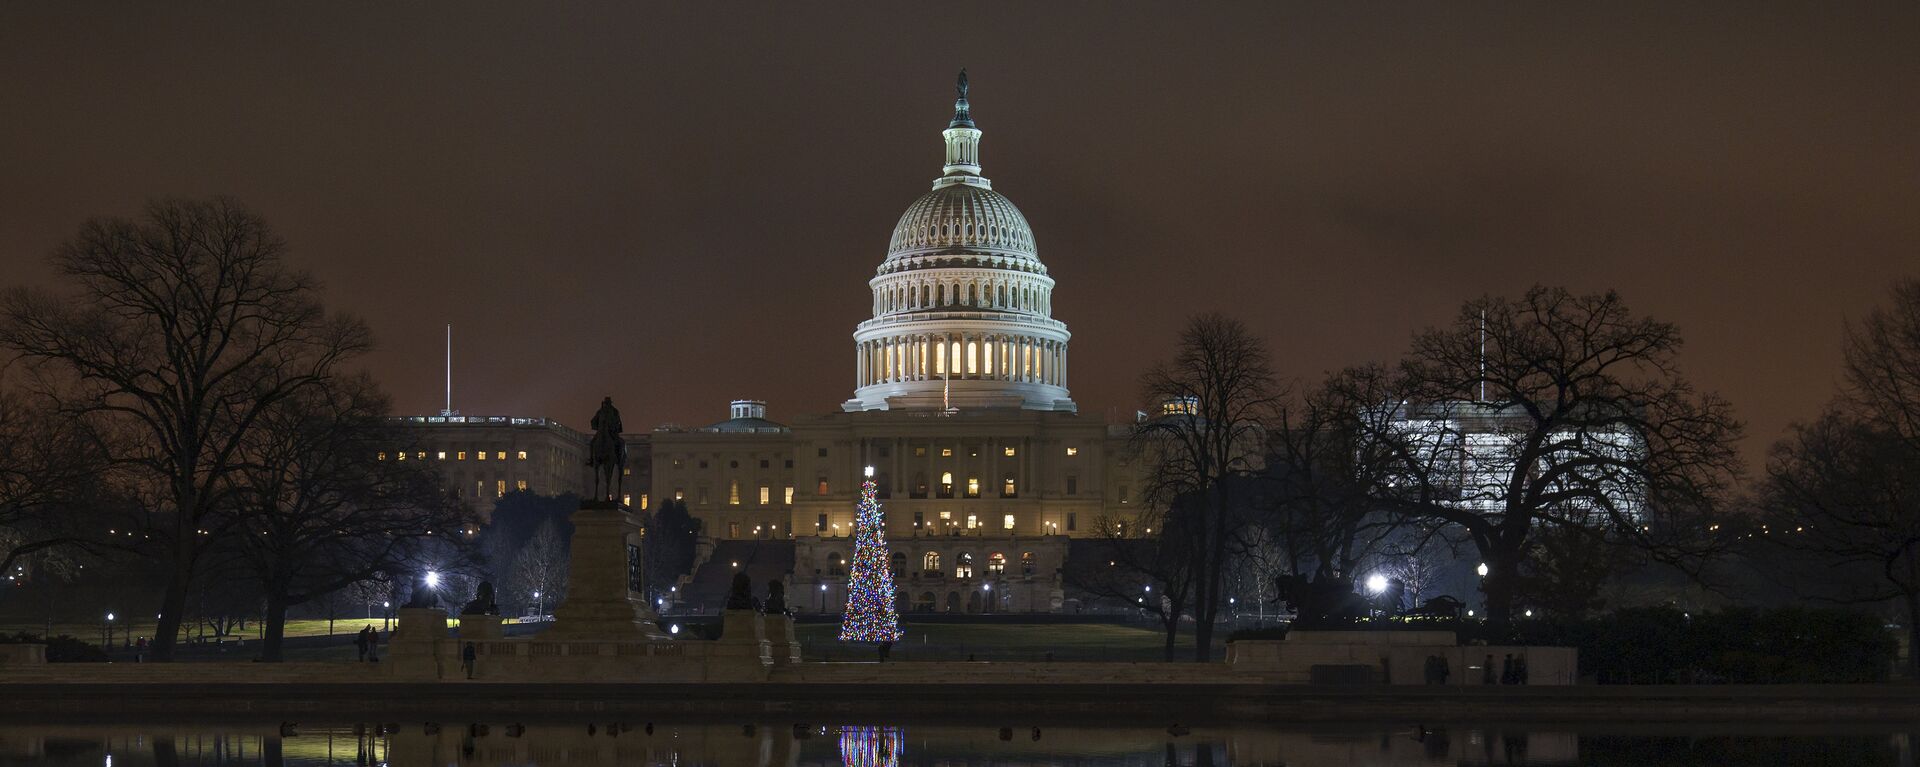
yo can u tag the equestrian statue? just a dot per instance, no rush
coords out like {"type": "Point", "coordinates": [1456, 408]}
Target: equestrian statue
{"type": "Point", "coordinates": [607, 455]}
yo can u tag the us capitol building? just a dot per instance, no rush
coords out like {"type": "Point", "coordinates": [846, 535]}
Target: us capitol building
{"type": "Point", "coordinates": [984, 467]}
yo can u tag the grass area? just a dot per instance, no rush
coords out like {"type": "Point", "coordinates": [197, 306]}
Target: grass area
{"type": "Point", "coordinates": [93, 632]}
{"type": "Point", "coordinates": [1001, 641]}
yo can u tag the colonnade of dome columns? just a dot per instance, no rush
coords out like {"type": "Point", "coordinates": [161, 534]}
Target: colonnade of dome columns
{"type": "Point", "coordinates": [986, 293]}
{"type": "Point", "coordinates": [962, 356]}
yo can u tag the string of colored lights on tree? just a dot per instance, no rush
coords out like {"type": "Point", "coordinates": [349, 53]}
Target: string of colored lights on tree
{"type": "Point", "coordinates": [870, 615]}
{"type": "Point", "coordinates": [871, 746]}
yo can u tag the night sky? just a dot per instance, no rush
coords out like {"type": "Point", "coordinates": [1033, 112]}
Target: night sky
{"type": "Point", "coordinates": [677, 208]}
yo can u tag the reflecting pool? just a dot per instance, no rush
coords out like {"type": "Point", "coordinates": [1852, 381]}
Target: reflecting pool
{"type": "Point", "coordinates": [791, 744]}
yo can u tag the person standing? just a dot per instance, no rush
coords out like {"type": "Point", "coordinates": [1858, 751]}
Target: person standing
{"type": "Point", "coordinates": [467, 658]}
{"type": "Point", "coordinates": [362, 640]}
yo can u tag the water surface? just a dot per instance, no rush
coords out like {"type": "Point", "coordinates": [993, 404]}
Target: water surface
{"type": "Point", "coordinates": [791, 744]}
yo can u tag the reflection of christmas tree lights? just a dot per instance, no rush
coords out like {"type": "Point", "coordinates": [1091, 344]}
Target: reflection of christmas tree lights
{"type": "Point", "coordinates": [871, 746]}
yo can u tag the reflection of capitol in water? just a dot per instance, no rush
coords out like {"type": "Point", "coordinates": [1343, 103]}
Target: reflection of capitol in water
{"type": "Point", "coordinates": [776, 745]}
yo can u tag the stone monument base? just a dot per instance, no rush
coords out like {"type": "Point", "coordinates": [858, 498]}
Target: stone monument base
{"type": "Point", "coordinates": [601, 603]}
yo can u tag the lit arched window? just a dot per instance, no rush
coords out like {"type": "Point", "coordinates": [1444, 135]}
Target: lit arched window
{"type": "Point", "coordinates": [1007, 486]}
{"type": "Point", "coordinates": [963, 566]}
{"type": "Point", "coordinates": [931, 562]}
{"type": "Point", "coordinates": [1026, 563]}
{"type": "Point", "coordinates": [996, 562]}
{"type": "Point", "coordinates": [946, 484]}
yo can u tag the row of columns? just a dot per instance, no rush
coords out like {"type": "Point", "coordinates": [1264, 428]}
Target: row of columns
{"type": "Point", "coordinates": [964, 356]}
{"type": "Point", "coordinates": [985, 293]}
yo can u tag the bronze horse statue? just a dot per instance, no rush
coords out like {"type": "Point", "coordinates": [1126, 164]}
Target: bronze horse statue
{"type": "Point", "coordinates": [607, 454]}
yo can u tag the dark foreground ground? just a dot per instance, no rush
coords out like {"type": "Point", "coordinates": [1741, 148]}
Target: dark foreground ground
{"type": "Point", "coordinates": [958, 700]}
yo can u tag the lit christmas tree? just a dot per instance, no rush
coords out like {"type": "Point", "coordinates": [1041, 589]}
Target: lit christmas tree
{"type": "Point", "coordinates": [869, 616]}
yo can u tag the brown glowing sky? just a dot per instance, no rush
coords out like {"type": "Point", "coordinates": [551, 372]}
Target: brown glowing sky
{"type": "Point", "coordinates": [676, 208]}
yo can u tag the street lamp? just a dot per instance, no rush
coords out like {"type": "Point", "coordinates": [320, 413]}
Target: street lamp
{"type": "Point", "coordinates": [1482, 569]}
{"type": "Point", "coordinates": [433, 579]}
{"type": "Point", "coordinates": [1376, 583]}
{"type": "Point", "coordinates": [108, 640]}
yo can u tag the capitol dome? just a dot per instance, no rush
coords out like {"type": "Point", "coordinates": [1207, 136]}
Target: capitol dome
{"type": "Point", "coordinates": [965, 221]}
{"type": "Point", "coordinates": [962, 306]}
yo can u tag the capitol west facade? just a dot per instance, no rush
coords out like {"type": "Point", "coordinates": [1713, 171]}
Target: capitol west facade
{"type": "Point", "coordinates": [986, 470]}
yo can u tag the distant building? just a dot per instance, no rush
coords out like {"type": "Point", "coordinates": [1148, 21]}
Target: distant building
{"type": "Point", "coordinates": [1475, 447]}
{"type": "Point", "coordinates": [485, 457]}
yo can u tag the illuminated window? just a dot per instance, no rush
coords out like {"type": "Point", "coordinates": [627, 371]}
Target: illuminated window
{"type": "Point", "coordinates": [676, 463]}
{"type": "Point", "coordinates": [733, 493]}
{"type": "Point", "coordinates": [733, 529]}
{"type": "Point", "coordinates": [643, 500]}
{"type": "Point", "coordinates": [480, 488]}
{"type": "Point", "coordinates": [973, 487]}
{"type": "Point", "coordinates": [920, 452]}
{"type": "Point", "coordinates": [1008, 452]}
{"type": "Point", "coordinates": [520, 484]}
{"type": "Point", "coordinates": [460, 456]}
{"type": "Point", "coordinates": [997, 562]}
{"type": "Point", "coordinates": [946, 515]}
{"type": "Point", "coordinates": [679, 493]}
{"type": "Point", "coordinates": [946, 484]}
{"type": "Point", "coordinates": [626, 472]}
{"type": "Point", "coordinates": [381, 457]}
{"type": "Point", "coordinates": [973, 521]}
{"type": "Point", "coordinates": [500, 487]}
{"type": "Point", "coordinates": [523, 455]}
{"type": "Point", "coordinates": [788, 496]}
{"type": "Point", "coordinates": [1007, 522]}
{"type": "Point", "coordinates": [963, 566]}
{"type": "Point", "coordinates": [627, 499]}
{"type": "Point", "coordinates": [1007, 487]}
{"type": "Point", "coordinates": [821, 487]}
{"type": "Point", "coordinates": [1026, 563]}
{"type": "Point", "coordinates": [480, 456]}
{"type": "Point", "coordinates": [946, 452]}
{"type": "Point", "coordinates": [501, 455]}
{"type": "Point", "coordinates": [440, 456]}
{"type": "Point", "coordinates": [402, 455]}
{"type": "Point", "coordinates": [931, 562]}
{"type": "Point", "coordinates": [1073, 451]}
{"type": "Point", "coordinates": [1180, 406]}
{"type": "Point", "coordinates": [766, 495]}
{"type": "Point", "coordinates": [420, 454]}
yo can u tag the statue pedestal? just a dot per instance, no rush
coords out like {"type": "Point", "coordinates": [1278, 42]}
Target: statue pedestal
{"type": "Point", "coordinates": [415, 648]}
{"type": "Point", "coordinates": [481, 627]}
{"type": "Point", "coordinates": [781, 640]}
{"type": "Point", "coordinates": [605, 560]}
{"type": "Point", "coordinates": [741, 653]}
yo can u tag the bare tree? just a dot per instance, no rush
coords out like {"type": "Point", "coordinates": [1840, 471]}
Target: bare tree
{"type": "Point", "coordinates": [1215, 396]}
{"type": "Point", "coordinates": [1144, 563]}
{"type": "Point", "coordinates": [1557, 410]}
{"type": "Point", "coordinates": [50, 487]}
{"type": "Point", "coordinates": [184, 327]}
{"type": "Point", "coordinates": [322, 508]}
{"type": "Point", "coordinates": [1843, 492]}
{"type": "Point", "coordinates": [1324, 463]}
{"type": "Point", "coordinates": [538, 576]}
